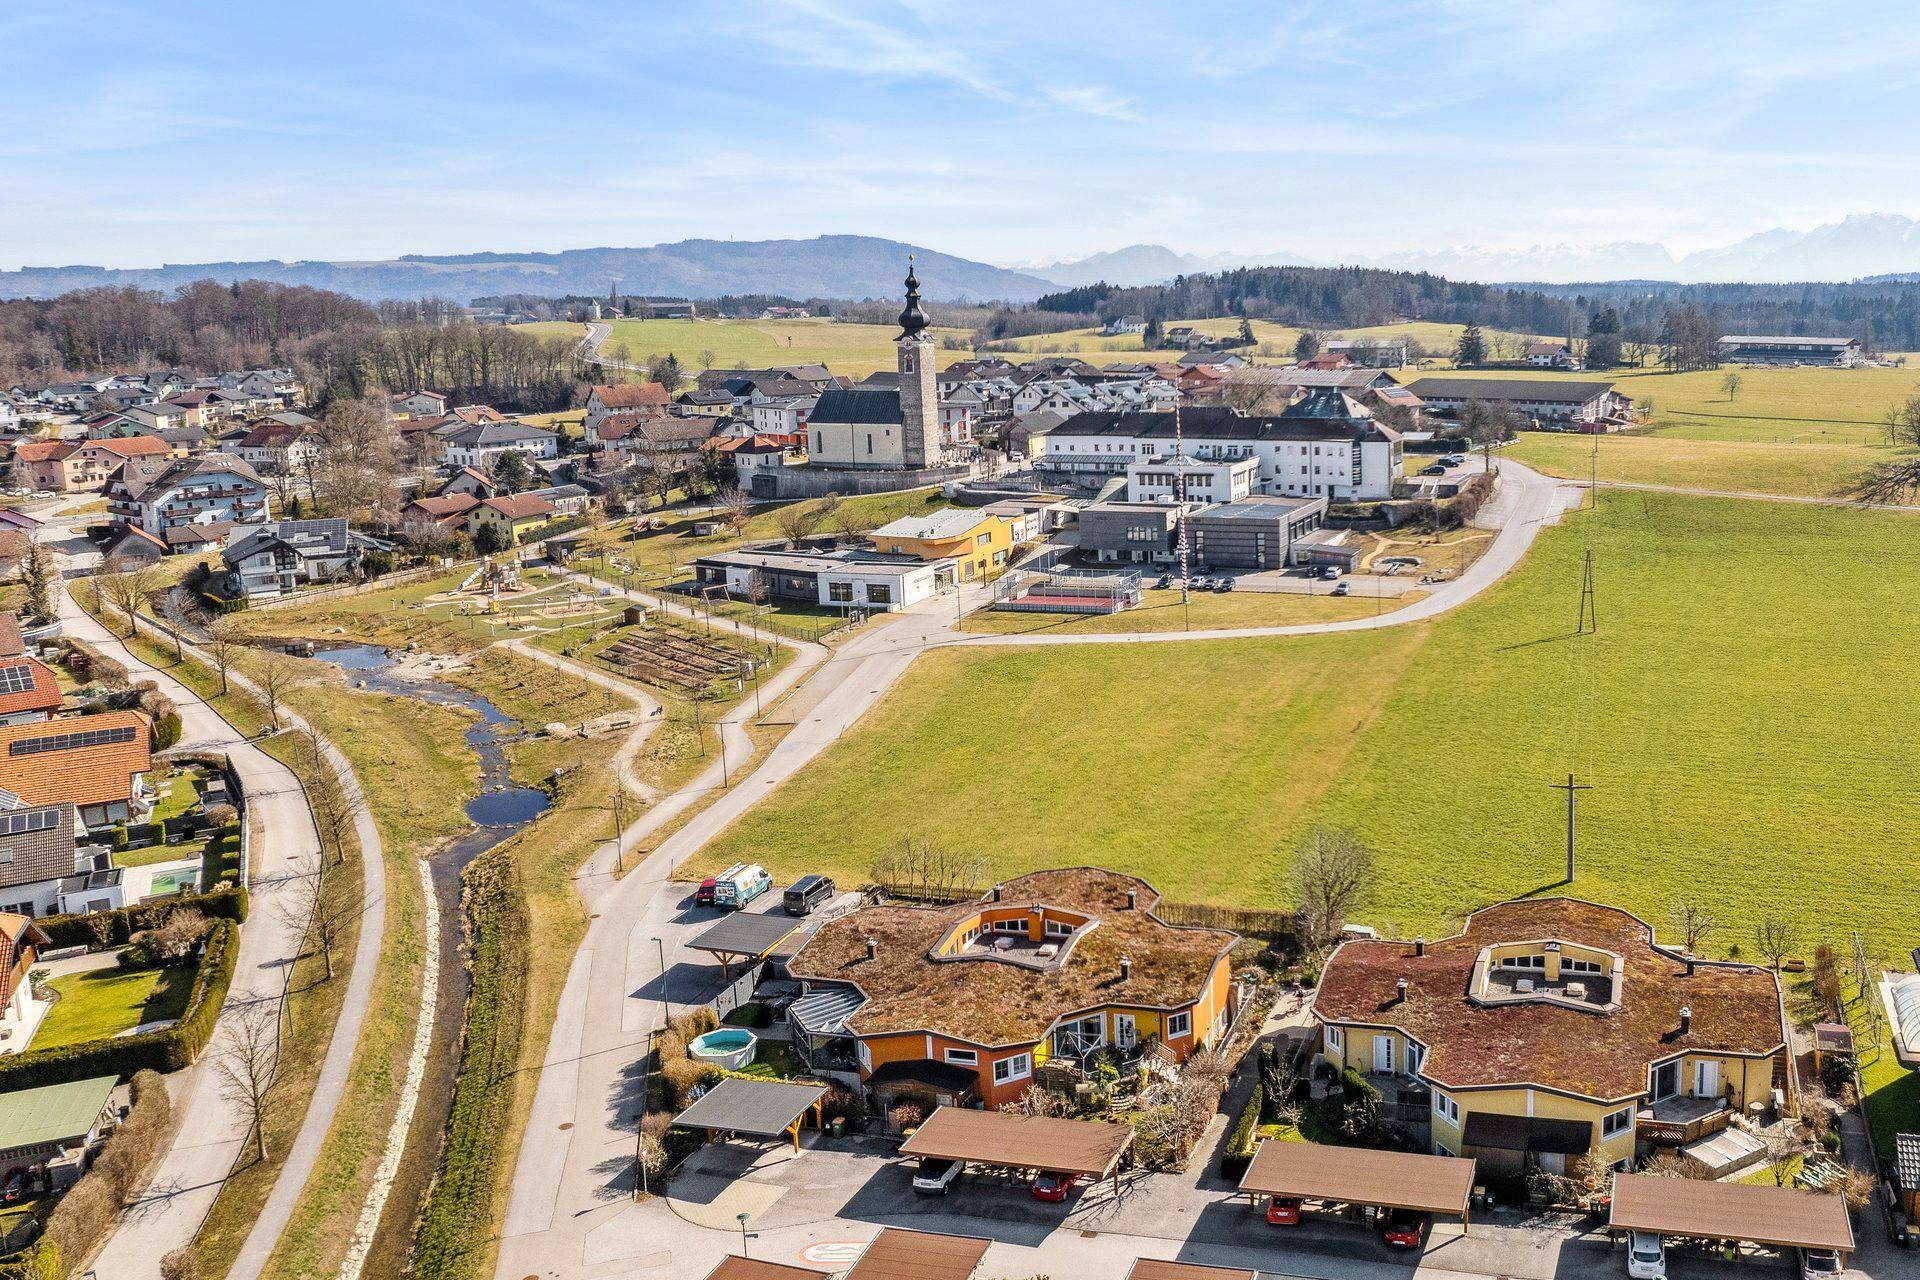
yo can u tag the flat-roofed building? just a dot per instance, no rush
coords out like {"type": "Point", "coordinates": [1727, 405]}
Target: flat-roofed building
{"type": "Point", "coordinates": [1762, 349]}
{"type": "Point", "coordinates": [841, 578]}
{"type": "Point", "coordinates": [1549, 399]}
{"type": "Point", "coordinates": [1261, 532]}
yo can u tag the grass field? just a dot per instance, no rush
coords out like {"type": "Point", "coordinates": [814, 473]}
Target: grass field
{"type": "Point", "coordinates": [856, 349]}
{"type": "Point", "coordinates": [1730, 713]}
{"type": "Point", "coordinates": [1273, 343]}
{"type": "Point", "coordinates": [1162, 611]}
{"type": "Point", "coordinates": [105, 1002]}
{"type": "Point", "coordinates": [1788, 431]}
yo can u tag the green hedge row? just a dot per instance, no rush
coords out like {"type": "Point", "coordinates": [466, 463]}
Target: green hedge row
{"type": "Point", "coordinates": [1238, 1153]}
{"type": "Point", "coordinates": [123, 923]}
{"type": "Point", "coordinates": [455, 1224]}
{"type": "Point", "coordinates": [168, 1049]}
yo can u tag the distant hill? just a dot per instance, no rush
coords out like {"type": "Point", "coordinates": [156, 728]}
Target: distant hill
{"type": "Point", "coordinates": [1139, 264]}
{"type": "Point", "coordinates": [853, 267]}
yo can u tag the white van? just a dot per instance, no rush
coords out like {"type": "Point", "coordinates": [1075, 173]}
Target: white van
{"type": "Point", "coordinates": [734, 891]}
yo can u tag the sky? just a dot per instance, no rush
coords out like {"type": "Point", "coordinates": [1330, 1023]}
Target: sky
{"type": "Point", "coordinates": [133, 134]}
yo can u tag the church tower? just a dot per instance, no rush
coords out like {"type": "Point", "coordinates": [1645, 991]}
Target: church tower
{"type": "Point", "coordinates": [919, 396]}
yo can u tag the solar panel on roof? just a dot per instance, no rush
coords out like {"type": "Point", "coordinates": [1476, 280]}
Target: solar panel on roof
{"type": "Point", "coordinates": [17, 678]}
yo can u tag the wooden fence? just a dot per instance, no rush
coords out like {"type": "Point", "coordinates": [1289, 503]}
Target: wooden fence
{"type": "Point", "coordinates": [343, 590]}
{"type": "Point", "coordinates": [1247, 921]}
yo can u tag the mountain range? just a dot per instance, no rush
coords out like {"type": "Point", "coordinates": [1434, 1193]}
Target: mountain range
{"type": "Point", "coordinates": [1858, 246]}
{"type": "Point", "coordinates": [825, 267]}
{"type": "Point", "coordinates": [859, 267]}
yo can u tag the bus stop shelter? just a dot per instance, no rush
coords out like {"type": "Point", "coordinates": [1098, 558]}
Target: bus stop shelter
{"type": "Point", "coordinates": [745, 937]}
{"type": "Point", "coordinates": [1776, 1217]}
{"type": "Point", "coordinates": [1356, 1175]}
{"type": "Point", "coordinates": [1158, 1269]}
{"type": "Point", "coordinates": [1042, 1144]}
{"type": "Point", "coordinates": [918, 1255]}
{"type": "Point", "coordinates": [735, 1267]}
{"type": "Point", "coordinates": [756, 1108]}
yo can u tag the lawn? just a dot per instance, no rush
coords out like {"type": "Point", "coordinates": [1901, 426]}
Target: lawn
{"type": "Point", "coordinates": [1273, 343]}
{"type": "Point", "coordinates": [1731, 715]}
{"type": "Point", "coordinates": [856, 349]}
{"type": "Point", "coordinates": [106, 1002]}
{"type": "Point", "coordinates": [1162, 611]}
{"type": "Point", "coordinates": [1667, 458]}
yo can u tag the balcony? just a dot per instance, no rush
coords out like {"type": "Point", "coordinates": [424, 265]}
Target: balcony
{"type": "Point", "coordinates": [1679, 1120]}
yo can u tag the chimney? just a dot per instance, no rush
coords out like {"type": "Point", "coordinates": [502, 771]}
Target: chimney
{"type": "Point", "coordinates": [1686, 1018]}
{"type": "Point", "coordinates": [1420, 945]}
{"type": "Point", "coordinates": [1133, 899]}
{"type": "Point", "coordinates": [998, 890]}
{"type": "Point", "coordinates": [1400, 991]}
{"type": "Point", "coordinates": [1689, 964]}
{"type": "Point", "coordinates": [873, 948]}
{"type": "Point", "coordinates": [1126, 967]}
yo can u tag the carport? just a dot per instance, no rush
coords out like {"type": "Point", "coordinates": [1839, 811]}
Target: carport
{"type": "Point", "coordinates": [745, 937]}
{"type": "Point", "coordinates": [1356, 1175]}
{"type": "Point", "coordinates": [1777, 1217]}
{"type": "Point", "coordinates": [1041, 1144]}
{"type": "Point", "coordinates": [757, 1108]}
{"type": "Point", "coordinates": [918, 1255]}
{"type": "Point", "coordinates": [735, 1267]}
{"type": "Point", "coordinates": [1156, 1269]}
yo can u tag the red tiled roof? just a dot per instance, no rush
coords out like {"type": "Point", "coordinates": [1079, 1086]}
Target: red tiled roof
{"type": "Point", "coordinates": [520, 506]}
{"type": "Point", "coordinates": [1598, 1054]}
{"type": "Point", "coordinates": [78, 775]}
{"type": "Point", "coordinates": [12, 644]}
{"type": "Point", "coordinates": [43, 450]}
{"type": "Point", "coordinates": [631, 395]}
{"type": "Point", "coordinates": [444, 506]}
{"type": "Point", "coordinates": [42, 692]}
{"type": "Point", "coordinates": [135, 446]}
{"type": "Point", "coordinates": [474, 414]}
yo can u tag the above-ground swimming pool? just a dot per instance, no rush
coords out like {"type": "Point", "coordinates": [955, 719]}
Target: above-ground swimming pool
{"type": "Point", "coordinates": [729, 1047]}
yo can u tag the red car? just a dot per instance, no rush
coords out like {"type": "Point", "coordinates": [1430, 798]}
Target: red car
{"type": "Point", "coordinates": [1053, 1187]}
{"type": "Point", "coordinates": [1403, 1228]}
{"type": "Point", "coordinates": [1283, 1211]}
{"type": "Point", "coordinates": [703, 896]}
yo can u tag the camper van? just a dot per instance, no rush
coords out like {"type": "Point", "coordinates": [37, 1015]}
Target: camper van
{"type": "Point", "coordinates": [736, 889]}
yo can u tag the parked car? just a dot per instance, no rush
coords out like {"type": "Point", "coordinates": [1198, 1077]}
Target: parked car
{"type": "Point", "coordinates": [1053, 1187]}
{"type": "Point", "coordinates": [736, 890]}
{"type": "Point", "coordinates": [1646, 1256]}
{"type": "Point", "coordinates": [1283, 1211]}
{"type": "Point", "coordinates": [703, 896]}
{"type": "Point", "coordinates": [1454, 460]}
{"type": "Point", "coordinates": [806, 893]}
{"type": "Point", "coordinates": [1223, 584]}
{"type": "Point", "coordinates": [1328, 572]}
{"type": "Point", "coordinates": [1437, 469]}
{"type": "Point", "coordinates": [15, 1188]}
{"type": "Point", "coordinates": [1342, 588]}
{"type": "Point", "coordinates": [1403, 1228]}
{"type": "Point", "coordinates": [934, 1176]}
{"type": "Point", "coordinates": [1166, 580]}
{"type": "Point", "coordinates": [1820, 1264]}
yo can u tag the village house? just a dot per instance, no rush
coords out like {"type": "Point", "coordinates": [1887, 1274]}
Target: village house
{"type": "Point", "coordinates": [469, 481]}
{"type": "Point", "coordinates": [1371, 353]}
{"type": "Point", "coordinates": [754, 453]}
{"type": "Point", "coordinates": [419, 404]}
{"type": "Point", "coordinates": [29, 690]}
{"type": "Point", "coordinates": [970, 543]}
{"type": "Point", "coordinates": [84, 466]}
{"type": "Point", "coordinates": [277, 559]}
{"type": "Point", "coordinates": [514, 516]}
{"type": "Point", "coordinates": [1551, 1028]}
{"type": "Point", "coordinates": [187, 503]}
{"type": "Point", "coordinates": [565, 499]}
{"type": "Point", "coordinates": [480, 445]}
{"type": "Point", "coordinates": [646, 441]}
{"type": "Point", "coordinates": [965, 1003]}
{"type": "Point", "coordinates": [446, 510]}
{"type": "Point", "coordinates": [96, 763]}
{"type": "Point", "coordinates": [20, 1013]}
{"type": "Point", "coordinates": [622, 398]}
{"type": "Point", "coordinates": [1552, 355]}
{"type": "Point", "coordinates": [281, 449]}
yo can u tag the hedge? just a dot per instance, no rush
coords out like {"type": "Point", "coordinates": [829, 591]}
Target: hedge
{"type": "Point", "coordinates": [165, 1050]}
{"type": "Point", "coordinates": [455, 1223]}
{"type": "Point", "coordinates": [1238, 1152]}
{"type": "Point", "coordinates": [123, 922]}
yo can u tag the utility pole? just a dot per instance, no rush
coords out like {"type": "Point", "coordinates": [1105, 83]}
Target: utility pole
{"type": "Point", "coordinates": [1573, 790]}
{"type": "Point", "coordinates": [1180, 507]}
{"type": "Point", "coordinates": [1589, 606]}
{"type": "Point", "coordinates": [619, 830]}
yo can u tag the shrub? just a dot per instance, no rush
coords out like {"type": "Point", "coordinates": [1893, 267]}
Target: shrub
{"type": "Point", "coordinates": [84, 1215]}
{"type": "Point", "coordinates": [1836, 1072]}
{"type": "Point", "coordinates": [166, 731]}
{"type": "Point", "coordinates": [220, 815]}
{"type": "Point", "coordinates": [123, 923]}
{"type": "Point", "coordinates": [1238, 1152]}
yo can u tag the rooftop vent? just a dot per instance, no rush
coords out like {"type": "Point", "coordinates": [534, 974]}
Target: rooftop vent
{"type": "Point", "coordinates": [1400, 991]}
{"type": "Point", "coordinates": [873, 948]}
{"type": "Point", "coordinates": [1420, 945]}
{"type": "Point", "coordinates": [1126, 967]}
{"type": "Point", "coordinates": [1133, 900]}
{"type": "Point", "coordinates": [1686, 1018]}
{"type": "Point", "coordinates": [999, 891]}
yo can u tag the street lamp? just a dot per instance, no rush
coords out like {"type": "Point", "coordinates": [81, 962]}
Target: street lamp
{"type": "Point", "coordinates": [741, 1218]}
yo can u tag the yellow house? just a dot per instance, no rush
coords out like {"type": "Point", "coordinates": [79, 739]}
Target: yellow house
{"type": "Point", "coordinates": [963, 1004]}
{"type": "Point", "coordinates": [1552, 1028]}
{"type": "Point", "coordinates": [515, 515]}
{"type": "Point", "coordinates": [975, 542]}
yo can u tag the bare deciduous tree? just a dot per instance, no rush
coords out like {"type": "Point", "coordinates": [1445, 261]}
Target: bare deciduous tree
{"type": "Point", "coordinates": [735, 508]}
{"type": "Point", "coordinates": [921, 869]}
{"type": "Point", "coordinates": [1732, 383]}
{"type": "Point", "coordinates": [359, 457]}
{"type": "Point", "coordinates": [246, 1056]}
{"type": "Point", "coordinates": [222, 646]}
{"type": "Point", "coordinates": [796, 521]}
{"type": "Point", "coordinates": [1332, 872]}
{"type": "Point", "coordinates": [1774, 936]}
{"type": "Point", "coordinates": [1694, 923]}
{"type": "Point", "coordinates": [127, 586]}
{"type": "Point", "coordinates": [275, 675]}
{"type": "Point", "coordinates": [304, 909]}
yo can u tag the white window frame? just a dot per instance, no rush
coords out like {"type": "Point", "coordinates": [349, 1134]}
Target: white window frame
{"type": "Point", "coordinates": [1008, 1070]}
{"type": "Point", "coordinates": [1179, 1024]}
{"type": "Point", "coordinates": [1615, 1123]}
{"type": "Point", "coordinates": [963, 1057]}
{"type": "Point", "coordinates": [1446, 1107]}
{"type": "Point", "coordinates": [1336, 1040]}
{"type": "Point", "coordinates": [865, 1055]}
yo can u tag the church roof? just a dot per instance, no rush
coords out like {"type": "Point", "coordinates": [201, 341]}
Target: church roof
{"type": "Point", "coordinates": [858, 405]}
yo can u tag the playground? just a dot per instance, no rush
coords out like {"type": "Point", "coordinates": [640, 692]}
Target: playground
{"type": "Point", "coordinates": [512, 598]}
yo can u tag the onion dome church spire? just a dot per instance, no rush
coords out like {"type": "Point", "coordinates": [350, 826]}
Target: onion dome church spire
{"type": "Point", "coordinates": [912, 319]}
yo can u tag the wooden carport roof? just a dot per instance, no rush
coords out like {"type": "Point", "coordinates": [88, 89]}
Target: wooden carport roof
{"type": "Point", "coordinates": [1781, 1217]}
{"type": "Point", "coordinates": [918, 1255]}
{"type": "Point", "coordinates": [1020, 1142]}
{"type": "Point", "coordinates": [1157, 1269]}
{"type": "Point", "coordinates": [1356, 1175]}
{"type": "Point", "coordinates": [735, 1267]}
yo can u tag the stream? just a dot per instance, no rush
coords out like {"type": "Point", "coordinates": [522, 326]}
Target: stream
{"type": "Point", "coordinates": [501, 808]}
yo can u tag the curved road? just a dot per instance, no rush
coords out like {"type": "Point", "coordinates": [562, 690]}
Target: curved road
{"type": "Point", "coordinates": [573, 1170]}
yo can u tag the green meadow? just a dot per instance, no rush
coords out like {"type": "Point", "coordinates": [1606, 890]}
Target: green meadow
{"type": "Point", "coordinates": [1737, 714]}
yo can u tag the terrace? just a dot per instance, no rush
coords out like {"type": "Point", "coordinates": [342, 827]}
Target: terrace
{"type": "Point", "coordinates": [1681, 1119]}
{"type": "Point", "coordinates": [1549, 971]}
